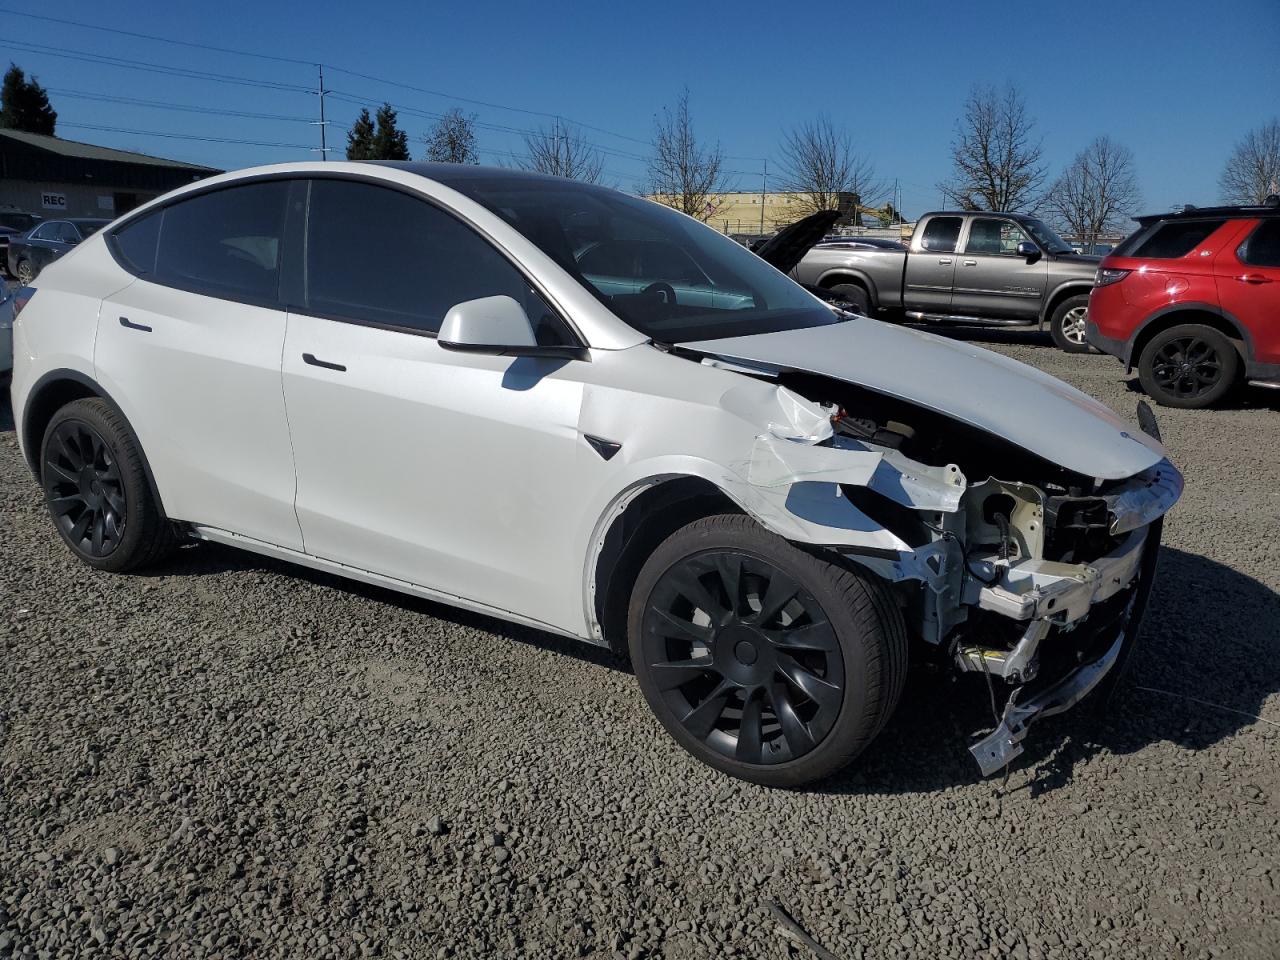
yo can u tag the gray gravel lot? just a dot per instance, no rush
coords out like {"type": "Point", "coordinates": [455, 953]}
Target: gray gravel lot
{"type": "Point", "coordinates": [233, 757]}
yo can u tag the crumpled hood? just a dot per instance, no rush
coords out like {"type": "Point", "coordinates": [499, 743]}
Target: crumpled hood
{"type": "Point", "coordinates": [1006, 398]}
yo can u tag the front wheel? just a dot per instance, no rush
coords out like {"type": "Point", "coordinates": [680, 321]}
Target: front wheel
{"type": "Point", "coordinates": [1066, 326]}
{"type": "Point", "coordinates": [26, 273]}
{"type": "Point", "coordinates": [762, 660]}
{"type": "Point", "coordinates": [97, 490]}
{"type": "Point", "coordinates": [1189, 366]}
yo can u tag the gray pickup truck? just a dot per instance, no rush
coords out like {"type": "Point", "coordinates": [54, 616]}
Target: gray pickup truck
{"type": "Point", "coordinates": [991, 268]}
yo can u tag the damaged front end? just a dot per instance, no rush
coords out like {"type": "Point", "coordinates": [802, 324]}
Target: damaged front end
{"type": "Point", "coordinates": [1033, 576]}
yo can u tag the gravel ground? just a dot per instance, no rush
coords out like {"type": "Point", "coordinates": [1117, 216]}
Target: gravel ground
{"type": "Point", "coordinates": [233, 757]}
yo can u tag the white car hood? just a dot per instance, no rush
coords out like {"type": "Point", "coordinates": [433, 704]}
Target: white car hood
{"type": "Point", "coordinates": [1001, 396]}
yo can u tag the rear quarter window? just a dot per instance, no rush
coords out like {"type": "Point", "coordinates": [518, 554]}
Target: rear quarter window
{"type": "Point", "coordinates": [1169, 239]}
{"type": "Point", "coordinates": [1262, 248]}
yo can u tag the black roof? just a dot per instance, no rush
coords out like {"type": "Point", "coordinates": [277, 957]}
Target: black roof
{"type": "Point", "coordinates": [1268, 208]}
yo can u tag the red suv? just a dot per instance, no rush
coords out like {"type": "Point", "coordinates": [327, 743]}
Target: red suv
{"type": "Point", "coordinates": [1193, 300]}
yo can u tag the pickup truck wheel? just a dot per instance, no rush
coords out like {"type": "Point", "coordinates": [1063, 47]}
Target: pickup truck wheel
{"type": "Point", "coordinates": [1067, 324]}
{"type": "Point", "coordinates": [761, 659]}
{"type": "Point", "coordinates": [1189, 366]}
{"type": "Point", "coordinates": [855, 295]}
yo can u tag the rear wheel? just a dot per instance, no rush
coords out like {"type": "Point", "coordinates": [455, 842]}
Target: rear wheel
{"type": "Point", "coordinates": [1067, 324]}
{"type": "Point", "coordinates": [762, 660]}
{"type": "Point", "coordinates": [855, 296]}
{"type": "Point", "coordinates": [1189, 366]}
{"type": "Point", "coordinates": [97, 490]}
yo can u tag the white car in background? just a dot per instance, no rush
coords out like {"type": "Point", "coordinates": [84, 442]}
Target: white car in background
{"type": "Point", "coordinates": [406, 375]}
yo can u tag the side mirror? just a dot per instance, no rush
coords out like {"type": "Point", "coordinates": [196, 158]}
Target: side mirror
{"type": "Point", "coordinates": [1029, 250]}
{"type": "Point", "coordinates": [497, 326]}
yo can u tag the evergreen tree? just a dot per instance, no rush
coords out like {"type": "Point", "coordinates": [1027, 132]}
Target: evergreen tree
{"type": "Point", "coordinates": [24, 104]}
{"type": "Point", "coordinates": [360, 138]}
{"type": "Point", "coordinates": [389, 141]}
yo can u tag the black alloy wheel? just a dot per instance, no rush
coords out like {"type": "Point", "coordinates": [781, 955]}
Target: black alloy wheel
{"type": "Point", "coordinates": [1189, 366]}
{"type": "Point", "coordinates": [84, 488]}
{"type": "Point", "coordinates": [745, 658]}
{"type": "Point", "coordinates": [768, 662]}
{"type": "Point", "coordinates": [98, 489]}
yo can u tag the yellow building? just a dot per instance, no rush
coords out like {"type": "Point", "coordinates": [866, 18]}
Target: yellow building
{"type": "Point", "coordinates": [754, 213]}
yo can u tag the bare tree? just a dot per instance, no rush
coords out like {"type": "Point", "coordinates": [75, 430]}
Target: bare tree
{"type": "Point", "coordinates": [563, 152]}
{"type": "Point", "coordinates": [819, 164]}
{"type": "Point", "coordinates": [996, 153]}
{"type": "Point", "coordinates": [682, 173]}
{"type": "Point", "coordinates": [453, 139]}
{"type": "Point", "coordinates": [1097, 191]}
{"type": "Point", "coordinates": [1252, 172]}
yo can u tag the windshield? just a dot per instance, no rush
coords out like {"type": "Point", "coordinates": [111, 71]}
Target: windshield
{"type": "Point", "coordinates": [669, 277]}
{"type": "Point", "coordinates": [1044, 235]}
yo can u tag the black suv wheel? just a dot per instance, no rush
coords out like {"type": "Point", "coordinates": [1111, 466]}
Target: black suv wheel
{"type": "Point", "coordinates": [1189, 366]}
{"type": "Point", "coordinates": [760, 659]}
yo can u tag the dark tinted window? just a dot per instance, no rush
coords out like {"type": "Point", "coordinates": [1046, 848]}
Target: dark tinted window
{"type": "Point", "coordinates": [135, 243]}
{"type": "Point", "coordinates": [940, 235]}
{"type": "Point", "coordinates": [225, 243]}
{"type": "Point", "coordinates": [380, 255]}
{"type": "Point", "coordinates": [46, 231]}
{"type": "Point", "coordinates": [1262, 248]}
{"type": "Point", "coordinates": [1173, 238]}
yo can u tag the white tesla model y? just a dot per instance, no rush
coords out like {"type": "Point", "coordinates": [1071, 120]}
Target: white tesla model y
{"type": "Point", "coordinates": [576, 409]}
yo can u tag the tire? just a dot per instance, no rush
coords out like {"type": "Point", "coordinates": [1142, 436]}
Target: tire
{"type": "Point", "coordinates": [25, 273]}
{"type": "Point", "coordinates": [96, 487]}
{"type": "Point", "coordinates": [1190, 366]}
{"type": "Point", "coordinates": [855, 296]}
{"type": "Point", "coordinates": [815, 679]}
{"type": "Point", "coordinates": [1066, 326]}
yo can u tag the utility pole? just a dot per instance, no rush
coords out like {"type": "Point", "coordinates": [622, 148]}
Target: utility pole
{"type": "Point", "coordinates": [324, 149]}
{"type": "Point", "coordinates": [764, 190]}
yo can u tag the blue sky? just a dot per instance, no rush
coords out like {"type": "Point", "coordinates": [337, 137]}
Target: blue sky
{"type": "Point", "coordinates": [1178, 82]}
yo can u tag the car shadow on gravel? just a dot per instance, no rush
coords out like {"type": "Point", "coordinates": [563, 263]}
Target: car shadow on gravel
{"type": "Point", "coordinates": [1210, 634]}
{"type": "Point", "coordinates": [1250, 396]}
{"type": "Point", "coordinates": [209, 558]}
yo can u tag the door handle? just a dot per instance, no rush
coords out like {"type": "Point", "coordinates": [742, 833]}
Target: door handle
{"type": "Point", "coordinates": [312, 359]}
{"type": "Point", "coordinates": [944, 260]}
{"type": "Point", "coordinates": [126, 322]}
{"type": "Point", "coordinates": [1253, 278]}
{"type": "Point", "coordinates": [971, 263]}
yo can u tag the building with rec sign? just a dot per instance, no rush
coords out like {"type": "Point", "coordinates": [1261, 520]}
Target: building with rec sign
{"type": "Point", "coordinates": [52, 177]}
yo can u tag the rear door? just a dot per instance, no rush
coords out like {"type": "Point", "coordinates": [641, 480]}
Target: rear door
{"type": "Point", "coordinates": [992, 279]}
{"type": "Point", "coordinates": [1248, 280]}
{"type": "Point", "coordinates": [191, 351]}
{"type": "Point", "coordinates": [931, 266]}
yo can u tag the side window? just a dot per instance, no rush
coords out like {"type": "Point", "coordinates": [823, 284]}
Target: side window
{"type": "Point", "coordinates": [135, 243]}
{"type": "Point", "coordinates": [1262, 247]}
{"type": "Point", "coordinates": [1174, 238]}
{"type": "Point", "coordinates": [225, 243]}
{"type": "Point", "coordinates": [382, 256]}
{"type": "Point", "coordinates": [995, 236]}
{"type": "Point", "coordinates": [46, 231]}
{"type": "Point", "coordinates": [940, 235]}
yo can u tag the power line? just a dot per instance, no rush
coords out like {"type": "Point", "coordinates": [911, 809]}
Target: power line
{"type": "Point", "coordinates": [151, 36]}
{"type": "Point", "coordinates": [89, 57]}
{"type": "Point", "coordinates": [165, 105]}
{"type": "Point", "coordinates": [185, 136]}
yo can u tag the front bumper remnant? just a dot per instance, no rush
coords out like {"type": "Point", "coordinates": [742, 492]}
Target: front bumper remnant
{"type": "Point", "coordinates": [996, 750]}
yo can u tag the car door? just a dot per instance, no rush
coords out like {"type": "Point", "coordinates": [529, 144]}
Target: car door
{"type": "Point", "coordinates": [191, 350]}
{"type": "Point", "coordinates": [931, 266]}
{"type": "Point", "coordinates": [992, 279]}
{"type": "Point", "coordinates": [44, 243]}
{"type": "Point", "coordinates": [1248, 281]}
{"type": "Point", "coordinates": [449, 470]}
